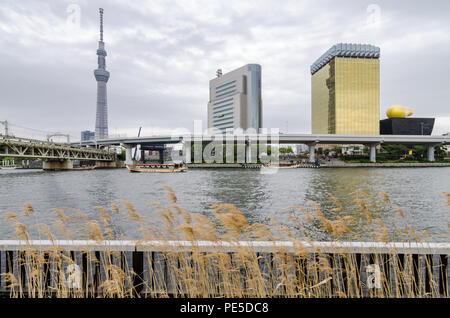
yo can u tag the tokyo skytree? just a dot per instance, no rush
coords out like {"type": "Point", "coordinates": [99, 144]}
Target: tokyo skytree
{"type": "Point", "coordinates": [102, 76]}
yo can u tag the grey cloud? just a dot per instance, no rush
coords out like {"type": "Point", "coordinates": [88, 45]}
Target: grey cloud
{"type": "Point", "coordinates": [161, 55]}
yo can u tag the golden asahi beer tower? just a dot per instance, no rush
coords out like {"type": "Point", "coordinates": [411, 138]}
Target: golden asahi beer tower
{"type": "Point", "coordinates": [345, 88]}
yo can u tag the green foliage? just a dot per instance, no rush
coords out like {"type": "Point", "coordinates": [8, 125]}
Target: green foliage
{"type": "Point", "coordinates": [393, 152]}
{"type": "Point", "coordinates": [402, 152]}
{"type": "Point", "coordinates": [440, 152]}
{"type": "Point", "coordinates": [286, 150]}
{"type": "Point", "coordinates": [122, 155]}
{"type": "Point", "coordinates": [337, 149]}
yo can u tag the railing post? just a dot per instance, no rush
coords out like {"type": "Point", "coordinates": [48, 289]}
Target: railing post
{"type": "Point", "coordinates": [84, 265]}
{"type": "Point", "coordinates": [46, 270]}
{"type": "Point", "coordinates": [358, 285]}
{"type": "Point", "coordinates": [428, 273]}
{"type": "Point", "coordinates": [415, 270]}
{"type": "Point", "coordinates": [399, 276]}
{"type": "Point", "coordinates": [22, 271]}
{"type": "Point", "coordinates": [138, 272]}
{"type": "Point", "coordinates": [271, 274]}
{"type": "Point", "coordinates": [59, 271]}
{"type": "Point", "coordinates": [443, 272]}
{"type": "Point", "coordinates": [386, 261]}
{"type": "Point", "coordinates": [97, 273]}
{"type": "Point", "coordinates": [9, 258]}
{"type": "Point", "coordinates": [165, 272]}
{"type": "Point", "coordinates": [343, 270]}
{"type": "Point", "coordinates": [301, 273]}
{"type": "Point", "coordinates": [373, 292]}
{"type": "Point", "coordinates": [123, 264]}
{"type": "Point", "coordinates": [330, 259]}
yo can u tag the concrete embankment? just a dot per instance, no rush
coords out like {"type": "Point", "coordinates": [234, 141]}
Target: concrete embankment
{"type": "Point", "coordinates": [323, 165]}
{"type": "Point", "coordinates": [385, 165]}
{"type": "Point", "coordinates": [223, 165]}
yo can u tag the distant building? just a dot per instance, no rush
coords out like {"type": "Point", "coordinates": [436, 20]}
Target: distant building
{"type": "Point", "coordinates": [406, 126]}
{"type": "Point", "coordinates": [235, 99]}
{"type": "Point", "coordinates": [447, 147]}
{"type": "Point", "coordinates": [399, 122]}
{"type": "Point", "coordinates": [87, 135]}
{"type": "Point", "coordinates": [301, 148]}
{"type": "Point", "coordinates": [345, 91]}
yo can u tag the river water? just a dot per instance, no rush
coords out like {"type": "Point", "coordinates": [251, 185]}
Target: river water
{"type": "Point", "coordinates": [419, 192]}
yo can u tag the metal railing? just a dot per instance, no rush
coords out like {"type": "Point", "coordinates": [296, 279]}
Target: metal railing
{"type": "Point", "coordinates": [152, 265]}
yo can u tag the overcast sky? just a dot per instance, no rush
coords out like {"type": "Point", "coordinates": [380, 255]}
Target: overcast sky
{"type": "Point", "coordinates": [162, 54]}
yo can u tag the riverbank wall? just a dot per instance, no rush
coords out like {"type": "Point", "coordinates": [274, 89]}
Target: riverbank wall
{"type": "Point", "coordinates": [323, 165]}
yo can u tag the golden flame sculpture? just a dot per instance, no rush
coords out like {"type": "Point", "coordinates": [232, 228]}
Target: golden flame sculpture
{"type": "Point", "coordinates": [398, 111]}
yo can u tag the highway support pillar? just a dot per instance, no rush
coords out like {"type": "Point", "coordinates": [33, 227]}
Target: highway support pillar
{"type": "Point", "coordinates": [54, 165]}
{"type": "Point", "coordinates": [248, 152]}
{"type": "Point", "coordinates": [430, 152]}
{"type": "Point", "coordinates": [128, 154]}
{"type": "Point", "coordinates": [312, 152]}
{"type": "Point", "coordinates": [187, 151]}
{"type": "Point", "coordinates": [373, 153]}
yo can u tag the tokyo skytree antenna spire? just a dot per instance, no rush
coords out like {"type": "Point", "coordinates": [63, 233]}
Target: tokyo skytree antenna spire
{"type": "Point", "coordinates": [102, 76]}
{"type": "Point", "coordinates": [101, 24]}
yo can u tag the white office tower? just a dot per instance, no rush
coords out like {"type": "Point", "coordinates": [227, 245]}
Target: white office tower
{"type": "Point", "coordinates": [235, 99]}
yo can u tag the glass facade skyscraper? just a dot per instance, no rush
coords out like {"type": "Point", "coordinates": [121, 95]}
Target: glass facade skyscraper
{"type": "Point", "coordinates": [345, 91]}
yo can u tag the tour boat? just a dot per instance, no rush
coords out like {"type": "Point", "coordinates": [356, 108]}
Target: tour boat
{"type": "Point", "coordinates": [157, 167]}
{"type": "Point", "coordinates": [8, 167]}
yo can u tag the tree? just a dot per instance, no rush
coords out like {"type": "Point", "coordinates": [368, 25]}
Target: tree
{"type": "Point", "coordinates": [286, 150]}
{"type": "Point", "coordinates": [122, 155]}
{"type": "Point", "coordinates": [395, 152]}
{"type": "Point", "coordinates": [366, 149]}
{"type": "Point", "coordinates": [419, 152]}
{"type": "Point", "coordinates": [440, 152]}
{"type": "Point", "coordinates": [337, 149]}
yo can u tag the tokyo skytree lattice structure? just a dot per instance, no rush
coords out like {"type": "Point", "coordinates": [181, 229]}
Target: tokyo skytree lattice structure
{"type": "Point", "coordinates": [102, 76]}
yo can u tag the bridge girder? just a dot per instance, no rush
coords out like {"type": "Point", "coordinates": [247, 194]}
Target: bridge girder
{"type": "Point", "coordinates": [29, 148]}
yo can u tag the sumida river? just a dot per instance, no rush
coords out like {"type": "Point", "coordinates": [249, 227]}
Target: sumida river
{"type": "Point", "coordinates": [263, 198]}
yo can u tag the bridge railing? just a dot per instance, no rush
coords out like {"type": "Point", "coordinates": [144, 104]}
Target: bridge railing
{"type": "Point", "coordinates": [221, 268]}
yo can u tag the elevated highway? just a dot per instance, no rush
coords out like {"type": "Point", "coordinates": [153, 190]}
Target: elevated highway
{"type": "Point", "coordinates": [282, 138]}
{"type": "Point", "coordinates": [309, 139]}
